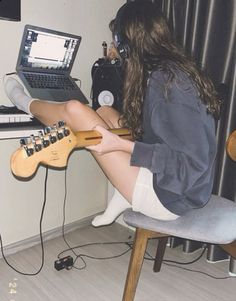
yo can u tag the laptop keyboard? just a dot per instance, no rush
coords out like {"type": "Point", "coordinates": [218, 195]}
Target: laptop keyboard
{"type": "Point", "coordinates": [48, 81]}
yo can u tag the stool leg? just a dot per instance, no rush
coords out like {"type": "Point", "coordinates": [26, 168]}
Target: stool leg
{"type": "Point", "coordinates": [230, 248]}
{"type": "Point", "coordinates": [161, 247]}
{"type": "Point", "coordinates": [135, 264]}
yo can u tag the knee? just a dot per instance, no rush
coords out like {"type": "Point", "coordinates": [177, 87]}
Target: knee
{"type": "Point", "coordinates": [109, 115]}
{"type": "Point", "coordinates": [73, 108]}
{"type": "Point", "coordinates": [104, 110]}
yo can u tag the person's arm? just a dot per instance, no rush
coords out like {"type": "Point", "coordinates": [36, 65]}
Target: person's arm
{"type": "Point", "coordinates": [111, 142]}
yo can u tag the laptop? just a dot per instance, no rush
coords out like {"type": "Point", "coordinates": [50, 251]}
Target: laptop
{"type": "Point", "coordinates": [44, 64]}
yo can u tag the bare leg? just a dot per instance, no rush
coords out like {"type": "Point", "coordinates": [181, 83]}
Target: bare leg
{"type": "Point", "coordinates": [118, 203]}
{"type": "Point", "coordinates": [109, 115]}
{"type": "Point", "coordinates": [116, 165]}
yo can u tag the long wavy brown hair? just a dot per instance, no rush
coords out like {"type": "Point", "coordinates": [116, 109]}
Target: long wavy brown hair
{"type": "Point", "coordinates": [145, 32]}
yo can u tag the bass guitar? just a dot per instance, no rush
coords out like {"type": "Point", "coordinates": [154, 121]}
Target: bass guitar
{"type": "Point", "coordinates": [52, 147]}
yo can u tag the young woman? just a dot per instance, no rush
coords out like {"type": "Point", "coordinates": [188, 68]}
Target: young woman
{"type": "Point", "coordinates": [169, 107]}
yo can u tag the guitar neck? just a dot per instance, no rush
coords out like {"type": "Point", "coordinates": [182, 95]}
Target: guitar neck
{"type": "Point", "coordinates": [86, 138]}
{"type": "Point", "coordinates": [54, 148]}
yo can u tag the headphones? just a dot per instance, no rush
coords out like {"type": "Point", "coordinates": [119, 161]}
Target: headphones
{"type": "Point", "coordinates": [120, 42]}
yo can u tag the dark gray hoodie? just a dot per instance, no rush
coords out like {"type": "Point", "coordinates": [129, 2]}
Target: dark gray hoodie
{"type": "Point", "coordinates": [178, 145]}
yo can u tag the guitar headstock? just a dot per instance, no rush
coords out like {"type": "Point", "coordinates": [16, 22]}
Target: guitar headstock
{"type": "Point", "coordinates": [50, 147]}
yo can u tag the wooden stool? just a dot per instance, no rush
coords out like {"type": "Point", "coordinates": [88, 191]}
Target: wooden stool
{"type": "Point", "coordinates": [214, 223]}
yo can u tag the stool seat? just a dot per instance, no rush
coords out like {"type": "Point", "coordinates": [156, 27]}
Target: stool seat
{"type": "Point", "coordinates": [214, 223]}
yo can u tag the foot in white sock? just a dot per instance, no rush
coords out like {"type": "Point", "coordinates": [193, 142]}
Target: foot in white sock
{"type": "Point", "coordinates": [117, 205]}
{"type": "Point", "coordinates": [17, 95]}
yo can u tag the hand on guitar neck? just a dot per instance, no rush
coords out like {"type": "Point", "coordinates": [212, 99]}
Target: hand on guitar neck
{"type": "Point", "coordinates": [53, 148]}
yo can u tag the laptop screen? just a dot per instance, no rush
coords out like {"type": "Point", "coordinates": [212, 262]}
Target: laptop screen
{"type": "Point", "coordinates": [47, 50]}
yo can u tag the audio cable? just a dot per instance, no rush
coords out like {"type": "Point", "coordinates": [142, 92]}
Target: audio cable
{"type": "Point", "coordinates": [40, 235]}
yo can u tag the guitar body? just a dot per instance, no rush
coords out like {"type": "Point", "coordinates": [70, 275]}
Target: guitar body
{"type": "Point", "coordinates": [231, 146]}
{"type": "Point", "coordinates": [53, 149]}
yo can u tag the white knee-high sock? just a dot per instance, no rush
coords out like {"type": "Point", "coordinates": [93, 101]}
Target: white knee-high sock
{"type": "Point", "coordinates": [117, 205]}
{"type": "Point", "coordinates": [15, 92]}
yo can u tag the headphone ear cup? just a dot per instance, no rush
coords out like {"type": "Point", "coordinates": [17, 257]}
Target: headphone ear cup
{"type": "Point", "coordinates": [123, 50]}
{"type": "Point", "coordinates": [120, 42]}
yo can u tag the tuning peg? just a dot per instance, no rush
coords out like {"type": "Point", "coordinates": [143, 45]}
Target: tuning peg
{"type": "Point", "coordinates": [32, 139]}
{"type": "Point", "coordinates": [52, 138]}
{"type": "Point", "coordinates": [37, 147]}
{"type": "Point", "coordinates": [40, 134]}
{"type": "Point", "coordinates": [45, 142]}
{"type": "Point", "coordinates": [29, 151]}
{"type": "Point", "coordinates": [23, 141]}
{"type": "Point", "coordinates": [61, 123]}
{"type": "Point", "coordinates": [54, 127]}
{"type": "Point", "coordinates": [36, 141]}
{"type": "Point", "coordinates": [60, 135]}
{"type": "Point", "coordinates": [47, 130]}
{"type": "Point", "coordinates": [66, 132]}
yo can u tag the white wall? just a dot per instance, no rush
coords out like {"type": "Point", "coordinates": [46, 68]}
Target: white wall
{"type": "Point", "coordinates": [21, 201]}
